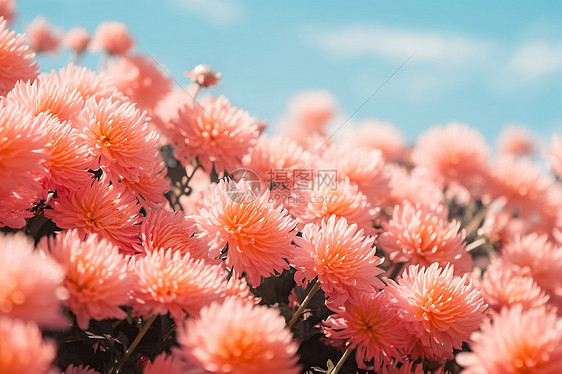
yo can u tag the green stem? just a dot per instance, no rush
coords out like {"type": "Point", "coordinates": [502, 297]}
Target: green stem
{"type": "Point", "coordinates": [135, 342]}
{"type": "Point", "coordinates": [342, 360]}
{"type": "Point", "coordinates": [304, 303]}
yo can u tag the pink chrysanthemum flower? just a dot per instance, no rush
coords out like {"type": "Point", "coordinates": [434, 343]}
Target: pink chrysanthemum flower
{"type": "Point", "coordinates": [410, 367]}
{"type": "Point", "coordinates": [422, 235]}
{"type": "Point", "coordinates": [443, 309]}
{"type": "Point", "coordinates": [31, 284]}
{"type": "Point", "coordinates": [68, 161]}
{"type": "Point", "coordinates": [313, 109]}
{"type": "Point", "coordinates": [164, 229]}
{"type": "Point", "coordinates": [453, 154]}
{"type": "Point", "coordinates": [343, 201]}
{"type": "Point", "coordinates": [23, 350]}
{"type": "Point", "coordinates": [8, 9]}
{"type": "Point", "coordinates": [165, 363]}
{"type": "Point", "coordinates": [175, 283]}
{"type": "Point", "coordinates": [503, 287]}
{"type": "Point", "coordinates": [43, 36]}
{"type": "Point", "coordinates": [97, 275]}
{"type": "Point", "coordinates": [259, 235]}
{"type": "Point", "coordinates": [79, 370]}
{"type": "Point", "coordinates": [340, 256]}
{"type": "Point", "coordinates": [238, 287]}
{"type": "Point", "coordinates": [238, 337]}
{"type": "Point", "coordinates": [15, 206]}
{"type": "Point", "coordinates": [88, 83]}
{"type": "Point", "coordinates": [102, 209]}
{"type": "Point", "coordinates": [555, 154]}
{"type": "Point", "coordinates": [16, 59]}
{"type": "Point", "coordinates": [150, 187]}
{"type": "Point", "coordinates": [413, 186]}
{"type": "Point", "coordinates": [77, 39]}
{"type": "Point", "coordinates": [516, 341]}
{"type": "Point", "coordinates": [361, 166]}
{"type": "Point", "coordinates": [204, 75]}
{"type": "Point", "coordinates": [46, 95]}
{"type": "Point", "coordinates": [140, 79]}
{"type": "Point", "coordinates": [215, 132]}
{"type": "Point", "coordinates": [517, 140]}
{"type": "Point", "coordinates": [118, 134]}
{"type": "Point", "coordinates": [381, 135]}
{"type": "Point", "coordinates": [112, 37]}
{"type": "Point", "coordinates": [373, 327]}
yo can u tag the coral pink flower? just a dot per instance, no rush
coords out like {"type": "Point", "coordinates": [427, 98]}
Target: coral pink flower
{"type": "Point", "coordinates": [15, 206]}
{"type": "Point", "coordinates": [16, 59]}
{"type": "Point", "coordinates": [77, 39]}
{"type": "Point", "coordinates": [444, 309]}
{"type": "Point", "coordinates": [8, 9]}
{"type": "Point", "coordinates": [167, 109]}
{"type": "Point", "coordinates": [175, 283]}
{"type": "Point", "coordinates": [140, 79]}
{"type": "Point", "coordinates": [43, 36]}
{"type": "Point", "coordinates": [79, 370]}
{"type": "Point", "coordinates": [31, 284]}
{"type": "Point", "coordinates": [118, 135]}
{"type": "Point", "coordinates": [97, 275]}
{"type": "Point", "coordinates": [164, 363]}
{"type": "Point", "coordinates": [215, 132]}
{"type": "Point", "coordinates": [112, 37]}
{"type": "Point", "coordinates": [238, 287]}
{"type": "Point", "coordinates": [363, 167]}
{"type": "Point", "coordinates": [100, 209]}
{"type": "Point", "coordinates": [258, 235]}
{"type": "Point", "coordinates": [313, 109]}
{"type": "Point", "coordinates": [517, 140]}
{"type": "Point", "coordinates": [516, 341]}
{"type": "Point", "coordinates": [204, 75]}
{"type": "Point", "coordinates": [413, 186]}
{"type": "Point", "coordinates": [88, 83]}
{"type": "Point", "coordinates": [422, 235]}
{"type": "Point", "coordinates": [238, 337]}
{"type": "Point", "coordinates": [23, 349]}
{"type": "Point", "coordinates": [340, 256]}
{"type": "Point", "coordinates": [381, 135]}
{"type": "Point", "coordinates": [503, 287]}
{"type": "Point", "coordinates": [453, 154]}
{"type": "Point", "coordinates": [555, 154]}
{"type": "Point", "coordinates": [45, 94]}
{"type": "Point", "coordinates": [164, 229]}
{"type": "Point", "coordinates": [373, 327]}
{"type": "Point", "coordinates": [410, 367]}
{"type": "Point", "coordinates": [149, 187]}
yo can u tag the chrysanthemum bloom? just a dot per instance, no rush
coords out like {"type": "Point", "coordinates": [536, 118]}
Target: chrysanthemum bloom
{"type": "Point", "coordinates": [140, 79]}
{"type": "Point", "coordinates": [418, 234]}
{"type": "Point", "coordinates": [313, 109]}
{"type": "Point", "coordinates": [516, 341]}
{"type": "Point", "coordinates": [46, 95]}
{"type": "Point", "coordinates": [165, 229]}
{"type": "Point", "coordinates": [43, 36]}
{"type": "Point", "coordinates": [503, 287]}
{"type": "Point", "coordinates": [77, 39]}
{"type": "Point", "coordinates": [16, 59]}
{"type": "Point", "coordinates": [344, 201]}
{"type": "Point", "coordinates": [16, 205]}
{"type": "Point", "coordinates": [373, 327]}
{"type": "Point", "coordinates": [362, 166]}
{"type": "Point", "coordinates": [97, 275]}
{"type": "Point", "coordinates": [112, 37]}
{"type": "Point", "coordinates": [165, 363]}
{"type": "Point", "coordinates": [68, 161]}
{"type": "Point", "coordinates": [149, 187]}
{"type": "Point", "coordinates": [453, 154]}
{"type": "Point", "coordinates": [31, 284]}
{"type": "Point", "coordinates": [443, 309]}
{"type": "Point", "coordinates": [238, 337]}
{"type": "Point", "coordinates": [215, 132]}
{"type": "Point", "coordinates": [340, 256]}
{"type": "Point", "coordinates": [8, 9]}
{"type": "Point", "coordinates": [79, 370]}
{"type": "Point", "coordinates": [102, 209]}
{"type": "Point", "coordinates": [171, 282]}
{"type": "Point", "coordinates": [517, 140]}
{"type": "Point", "coordinates": [204, 75]}
{"type": "Point", "coordinates": [238, 287]}
{"type": "Point", "coordinates": [412, 186]}
{"type": "Point", "coordinates": [410, 367]}
{"type": "Point", "coordinates": [22, 348]}
{"type": "Point", "coordinates": [167, 109]}
{"type": "Point", "coordinates": [259, 235]}
{"type": "Point", "coordinates": [88, 83]}
{"type": "Point", "coordinates": [381, 135]}
{"type": "Point", "coordinates": [118, 134]}
{"type": "Point", "coordinates": [555, 154]}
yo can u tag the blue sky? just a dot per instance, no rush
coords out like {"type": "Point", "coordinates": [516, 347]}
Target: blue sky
{"type": "Point", "coordinates": [485, 63]}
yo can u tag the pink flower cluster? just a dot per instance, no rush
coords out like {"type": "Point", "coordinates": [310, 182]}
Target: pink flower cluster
{"type": "Point", "coordinates": [125, 200]}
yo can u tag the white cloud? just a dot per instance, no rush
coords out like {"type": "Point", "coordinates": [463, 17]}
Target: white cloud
{"type": "Point", "coordinates": [537, 59]}
{"type": "Point", "coordinates": [218, 12]}
{"type": "Point", "coordinates": [399, 44]}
